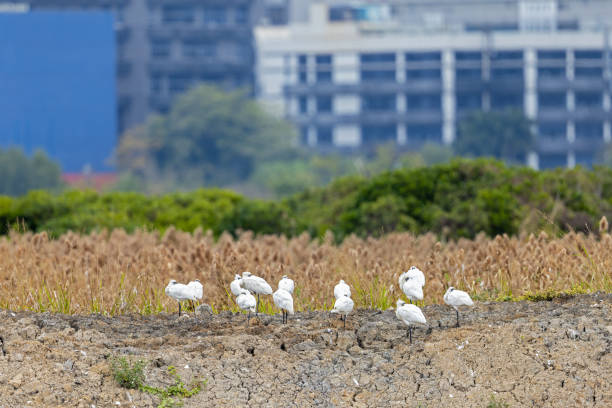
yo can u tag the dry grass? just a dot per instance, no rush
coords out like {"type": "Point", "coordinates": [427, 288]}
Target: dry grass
{"type": "Point", "coordinates": [117, 273]}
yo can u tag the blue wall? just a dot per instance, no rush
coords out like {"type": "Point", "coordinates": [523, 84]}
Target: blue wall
{"type": "Point", "coordinates": [57, 86]}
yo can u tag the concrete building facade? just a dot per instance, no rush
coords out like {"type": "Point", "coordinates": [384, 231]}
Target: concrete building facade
{"type": "Point", "coordinates": [350, 82]}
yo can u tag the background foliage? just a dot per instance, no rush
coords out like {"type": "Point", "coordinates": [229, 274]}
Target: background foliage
{"type": "Point", "coordinates": [456, 199]}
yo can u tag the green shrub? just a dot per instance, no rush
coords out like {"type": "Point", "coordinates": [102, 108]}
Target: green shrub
{"type": "Point", "coordinates": [128, 374]}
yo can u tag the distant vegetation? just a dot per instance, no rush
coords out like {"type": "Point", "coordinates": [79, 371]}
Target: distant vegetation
{"type": "Point", "coordinates": [457, 199]}
{"type": "Point", "coordinates": [20, 173]}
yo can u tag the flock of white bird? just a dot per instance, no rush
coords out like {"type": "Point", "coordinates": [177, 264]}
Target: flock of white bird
{"type": "Point", "coordinates": [245, 288]}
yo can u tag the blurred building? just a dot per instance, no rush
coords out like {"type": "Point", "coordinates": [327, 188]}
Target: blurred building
{"type": "Point", "coordinates": [350, 74]}
{"type": "Point", "coordinates": [57, 88]}
{"type": "Point", "coordinates": [166, 46]}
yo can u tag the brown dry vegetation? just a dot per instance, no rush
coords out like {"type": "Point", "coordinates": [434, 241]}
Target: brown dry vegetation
{"type": "Point", "coordinates": [115, 272]}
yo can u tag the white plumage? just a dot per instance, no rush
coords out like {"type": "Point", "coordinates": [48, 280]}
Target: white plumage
{"type": "Point", "coordinates": [246, 301]}
{"type": "Point", "coordinates": [456, 298]}
{"type": "Point", "coordinates": [409, 314]}
{"type": "Point", "coordinates": [343, 305]}
{"type": "Point", "coordinates": [412, 273]}
{"type": "Point", "coordinates": [286, 284]}
{"type": "Point", "coordinates": [198, 289]}
{"type": "Point", "coordinates": [284, 301]}
{"type": "Point", "coordinates": [179, 292]}
{"type": "Point", "coordinates": [341, 290]}
{"type": "Point", "coordinates": [412, 289]}
{"type": "Point", "coordinates": [235, 287]}
{"type": "Point", "coordinates": [256, 285]}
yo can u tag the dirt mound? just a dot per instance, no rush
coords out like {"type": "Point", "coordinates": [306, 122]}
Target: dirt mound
{"type": "Point", "coordinates": [524, 354]}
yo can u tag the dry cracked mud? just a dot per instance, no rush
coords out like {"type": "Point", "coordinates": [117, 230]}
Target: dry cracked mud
{"type": "Point", "coordinates": [543, 354]}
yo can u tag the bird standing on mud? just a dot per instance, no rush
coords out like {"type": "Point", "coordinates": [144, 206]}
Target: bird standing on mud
{"type": "Point", "coordinates": [344, 306]}
{"type": "Point", "coordinates": [456, 298]}
{"type": "Point", "coordinates": [246, 301]}
{"type": "Point", "coordinates": [256, 285]}
{"type": "Point", "coordinates": [284, 301]}
{"type": "Point", "coordinates": [341, 290]}
{"type": "Point", "coordinates": [198, 290]}
{"type": "Point", "coordinates": [180, 292]}
{"type": "Point", "coordinates": [286, 284]}
{"type": "Point", "coordinates": [412, 289]}
{"type": "Point", "coordinates": [409, 314]}
{"type": "Point", "coordinates": [235, 287]}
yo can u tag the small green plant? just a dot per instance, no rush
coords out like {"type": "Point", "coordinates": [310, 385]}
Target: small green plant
{"type": "Point", "coordinates": [494, 403]}
{"type": "Point", "coordinates": [178, 390]}
{"type": "Point", "coordinates": [128, 374]}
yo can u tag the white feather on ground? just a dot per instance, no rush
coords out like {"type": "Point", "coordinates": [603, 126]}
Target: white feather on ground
{"type": "Point", "coordinates": [286, 284]}
{"type": "Point", "coordinates": [341, 290]}
{"type": "Point", "coordinates": [235, 287]}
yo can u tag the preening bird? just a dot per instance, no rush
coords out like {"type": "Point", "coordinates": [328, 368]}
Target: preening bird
{"type": "Point", "coordinates": [235, 285]}
{"type": "Point", "coordinates": [412, 273]}
{"type": "Point", "coordinates": [179, 292]}
{"type": "Point", "coordinates": [246, 301]}
{"type": "Point", "coordinates": [456, 298]}
{"type": "Point", "coordinates": [256, 285]}
{"type": "Point", "coordinates": [412, 289]}
{"type": "Point", "coordinates": [409, 314]}
{"type": "Point", "coordinates": [286, 284]}
{"type": "Point", "coordinates": [341, 290]}
{"type": "Point", "coordinates": [198, 289]}
{"type": "Point", "coordinates": [344, 306]}
{"type": "Point", "coordinates": [284, 301]}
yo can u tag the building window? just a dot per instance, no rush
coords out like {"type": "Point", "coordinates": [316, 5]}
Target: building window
{"type": "Point", "coordinates": [584, 159]}
{"type": "Point", "coordinates": [552, 100]}
{"type": "Point", "coordinates": [215, 15]}
{"type": "Point", "coordinates": [551, 72]}
{"type": "Point", "coordinates": [468, 74]}
{"type": "Point", "coordinates": [178, 83]}
{"type": "Point", "coordinates": [553, 130]}
{"type": "Point", "coordinates": [177, 13]}
{"type": "Point", "coordinates": [324, 103]}
{"type": "Point", "coordinates": [506, 100]}
{"type": "Point", "coordinates": [379, 67]}
{"type": "Point", "coordinates": [160, 48]}
{"type": "Point", "coordinates": [198, 49]}
{"type": "Point", "coordinates": [507, 55]}
{"type": "Point", "coordinates": [304, 135]}
{"type": "Point", "coordinates": [373, 134]}
{"type": "Point", "coordinates": [552, 160]}
{"type": "Point", "coordinates": [302, 69]}
{"type": "Point", "coordinates": [325, 136]}
{"type": "Point", "coordinates": [303, 104]}
{"type": "Point", "coordinates": [378, 103]}
{"type": "Point", "coordinates": [156, 83]}
{"type": "Point", "coordinates": [423, 56]}
{"type": "Point", "coordinates": [588, 72]}
{"type": "Point", "coordinates": [588, 54]}
{"type": "Point", "coordinates": [423, 102]}
{"type": "Point", "coordinates": [589, 100]}
{"type": "Point", "coordinates": [424, 132]}
{"type": "Point", "coordinates": [323, 68]}
{"type": "Point", "coordinates": [507, 73]}
{"type": "Point", "coordinates": [551, 54]}
{"type": "Point", "coordinates": [468, 56]}
{"type": "Point", "coordinates": [241, 15]}
{"type": "Point", "coordinates": [468, 101]}
{"type": "Point", "coordinates": [302, 77]}
{"type": "Point", "coordinates": [423, 74]}
{"type": "Point", "coordinates": [592, 130]}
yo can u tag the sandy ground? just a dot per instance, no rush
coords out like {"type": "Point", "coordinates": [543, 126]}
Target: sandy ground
{"type": "Point", "coordinates": [545, 354]}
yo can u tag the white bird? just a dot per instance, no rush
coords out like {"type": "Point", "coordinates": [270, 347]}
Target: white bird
{"type": "Point", "coordinates": [235, 285]}
{"type": "Point", "coordinates": [246, 301]}
{"type": "Point", "coordinates": [256, 285]}
{"type": "Point", "coordinates": [198, 289]}
{"type": "Point", "coordinates": [412, 289]}
{"type": "Point", "coordinates": [456, 298]}
{"type": "Point", "coordinates": [412, 273]}
{"type": "Point", "coordinates": [341, 290]}
{"type": "Point", "coordinates": [344, 306]}
{"type": "Point", "coordinates": [409, 314]}
{"type": "Point", "coordinates": [179, 292]}
{"type": "Point", "coordinates": [284, 301]}
{"type": "Point", "coordinates": [286, 284]}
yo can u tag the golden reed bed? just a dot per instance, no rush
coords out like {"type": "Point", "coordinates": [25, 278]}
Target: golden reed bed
{"type": "Point", "coordinates": [115, 272]}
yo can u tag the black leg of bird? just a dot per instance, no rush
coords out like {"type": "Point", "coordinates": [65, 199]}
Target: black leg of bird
{"type": "Point", "coordinates": [179, 309]}
{"type": "Point", "coordinates": [457, 311]}
{"type": "Point", "coordinates": [410, 333]}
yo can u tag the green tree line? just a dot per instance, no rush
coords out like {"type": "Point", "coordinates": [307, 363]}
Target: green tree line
{"type": "Point", "coordinates": [456, 199]}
